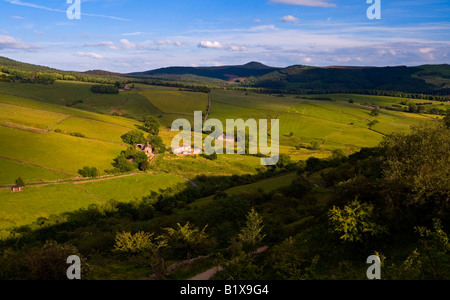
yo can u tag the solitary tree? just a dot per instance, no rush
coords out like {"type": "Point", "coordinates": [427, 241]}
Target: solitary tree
{"type": "Point", "coordinates": [375, 112]}
{"type": "Point", "coordinates": [355, 222]}
{"type": "Point", "coordinates": [19, 182]}
{"type": "Point", "coordinates": [188, 239]}
{"type": "Point", "coordinates": [251, 234]}
{"type": "Point", "coordinates": [151, 125]}
{"type": "Point", "coordinates": [143, 242]}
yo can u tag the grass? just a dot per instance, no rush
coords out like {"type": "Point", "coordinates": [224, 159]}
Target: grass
{"type": "Point", "coordinates": [25, 207]}
{"type": "Point", "coordinates": [11, 170]}
{"type": "Point", "coordinates": [191, 166]}
{"type": "Point", "coordinates": [94, 129]}
{"type": "Point", "coordinates": [173, 101]}
{"type": "Point", "coordinates": [68, 111]}
{"type": "Point", "coordinates": [57, 151]}
{"type": "Point", "coordinates": [28, 116]}
{"type": "Point", "coordinates": [126, 189]}
{"type": "Point", "coordinates": [265, 186]}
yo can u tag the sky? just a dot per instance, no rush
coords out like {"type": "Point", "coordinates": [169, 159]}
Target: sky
{"type": "Point", "coordinates": [138, 35]}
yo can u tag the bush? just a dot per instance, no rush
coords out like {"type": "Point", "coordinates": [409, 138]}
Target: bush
{"type": "Point", "coordinates": [88, 172]}
{"type": "Point", "coordinates": [105, 89]}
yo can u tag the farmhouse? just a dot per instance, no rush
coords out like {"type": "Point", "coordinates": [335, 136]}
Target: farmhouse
{"type": "Point", "coordinates": [147, 149]}
{"type": "Point", "coordinates": [125, 88]}
{"type": "Point", "coordinates": [186, 150]}
{"type": "Point", "coordinates": [16, 189]}
{"type": "Point", "coordinates": [223, 137]}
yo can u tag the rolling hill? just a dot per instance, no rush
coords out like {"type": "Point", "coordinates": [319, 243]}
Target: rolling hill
{"type": "Point", "coordinates": [255, 69]}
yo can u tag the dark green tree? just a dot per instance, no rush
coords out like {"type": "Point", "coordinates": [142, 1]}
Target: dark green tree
{"type": "Point", "coordinates": [151, 125]}
{"type": "Point", "coordinates": [134, 137]}
{"type": "Point", "coordinates": [20, 182]}
{"type": "Point", "coordinates": [157, 144]}
{"type": "Point", "coordinates": [416, 171]}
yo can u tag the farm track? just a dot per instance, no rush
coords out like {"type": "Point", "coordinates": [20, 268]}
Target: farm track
{"type": "Point", "coordinates": [59, 122]}
{"type": "Point", "coordinates": [89, 193]}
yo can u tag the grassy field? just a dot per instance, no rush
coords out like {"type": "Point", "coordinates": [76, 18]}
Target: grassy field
{"type": "Point", "coordinates": [31, 117]}
{"type": "Point", "coordinates": [93, 129]}
{"type": "Point", "coordinates": [40, 202]}
{"type": "Point", "coordinates": [38, 154]}
{"type": "Point", "coordinates": [11, 170]}
{"type": "Point", "coordinates": [126, 189]}
{"type": "Point", "coordinates": [57, 151]}
{"type": "Point", "coordinates": [266, 185]}
{"type": "Point", "coordinates": [172, 101]}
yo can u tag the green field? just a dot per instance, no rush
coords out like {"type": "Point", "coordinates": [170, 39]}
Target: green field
{"type": "Point", "coordinates": [57, 151]}
{"type": "Point", "coordinates": [32, 150]}
{"type": "Point", "coordinates": [28, 116]}
{"type": "Point", "coordinates": [40, 202]}
{"type": "Point", "coordinates": [126, 189]}
{"type": "Point", "coordinates": [93, 129]}
{"type": "Point", "coordinates": [176, 102]}
{"type": "Point", "coordinates": [266, 185]}
{"type": "Point", "coordinates": [11, 170]}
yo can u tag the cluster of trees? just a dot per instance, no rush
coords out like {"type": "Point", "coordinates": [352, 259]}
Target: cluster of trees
{"type": "Point", "coordinates": [132, 159]}
{"type": "Point", "coordinates": [105, 89]}
{"type": "Point", "coordinates": [89, 172]}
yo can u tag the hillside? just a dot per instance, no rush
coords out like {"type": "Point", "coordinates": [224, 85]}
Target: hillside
{"type": "Point", "coordinates": [402, 79]}
{"type": "Point", "coordinates": [222, 72]}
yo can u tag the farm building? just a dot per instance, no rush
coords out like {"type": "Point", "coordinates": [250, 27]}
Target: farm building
{"type": "Point", "coordinates": [186, 150]}
{"type": "Point", "coordinates": [223, 137]}
{"type": "Point", "coordinates": [16, 189]}
{"type": "Point", "coordinates": [146, 148]}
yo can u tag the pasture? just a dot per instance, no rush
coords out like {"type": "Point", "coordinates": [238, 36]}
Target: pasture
{"type": "Point", "coordinates": [57, 151]}
{"type": "Point", "coordinates": [129, 188]}
{"type": "Point", "coordinates": [23, 208]}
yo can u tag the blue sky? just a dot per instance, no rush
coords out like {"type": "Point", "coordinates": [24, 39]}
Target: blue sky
{"type": "Point", "coordinates": [138, 35]}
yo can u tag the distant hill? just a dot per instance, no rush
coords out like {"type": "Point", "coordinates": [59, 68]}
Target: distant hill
{"type": "Point", "coordinates": [101, 73]}
{"type": "Point", "coordinates": [419, 79]}
{"type": "Point", "coordinates": [13, 64]}
{"type": "Point", "coordinates": [226, 73]}
{"type": "Point", "coordinates": [425, 79]}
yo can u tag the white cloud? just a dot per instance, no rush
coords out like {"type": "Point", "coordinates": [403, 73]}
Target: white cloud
{"type": "Point", "coordinates": [18, 17]}
{"type": "Point", "coordinates": [289, 18]}
{"type": "Point", "coordinates": [425, 50]}
{"type": "Point", "coordinates": [107, 44]}
{"type": "Point", "coordinates": [127, 44]}
{"type": "Point", "coordinates": [8, 42]}
{"type": "Point", "coordinates": [169, 42]}
{"type": "Point", "coordinates": [209, 44]}
{"type": "Point", "coordinates": [219, 46]}
{"type": "Point", "coordinates": [90, 54]}
{"type": "Point", "coordinates": [314, 3]}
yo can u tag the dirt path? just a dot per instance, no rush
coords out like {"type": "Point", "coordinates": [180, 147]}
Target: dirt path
{"type": "Point", "coordinates": [207, 275]}
{"type": "Point", "coordinates": [89, 193]}
{"type": "Point", "coordinates": [60, 121]}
